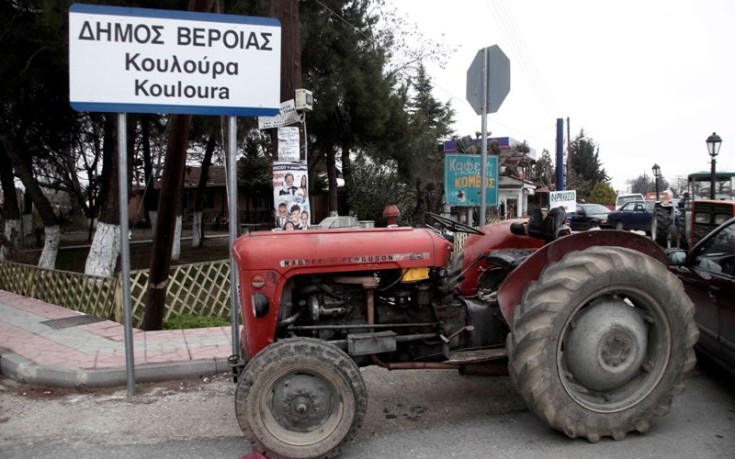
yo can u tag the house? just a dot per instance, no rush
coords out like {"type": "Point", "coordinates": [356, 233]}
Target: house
{"type": "Point", "coordinates": [252, 209]}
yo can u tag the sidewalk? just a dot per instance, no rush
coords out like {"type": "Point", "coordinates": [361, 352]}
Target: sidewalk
{"type": "Point", "coordinates": [41, 343]}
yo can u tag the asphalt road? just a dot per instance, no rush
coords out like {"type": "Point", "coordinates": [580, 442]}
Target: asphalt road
{"type": "Point", "coordinates": [416, 414]}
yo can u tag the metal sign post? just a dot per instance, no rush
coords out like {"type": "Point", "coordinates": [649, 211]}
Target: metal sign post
{"type": "Point", "coordinates": [122, 177]}
{"type": "Point", "coordinates": [232, 210]}
{"type": "Point", "coordinates": [488, 82]}
{"type": "Point", "coordinates": [161, 61]}
{"type": "Point", "coordinates": [483, 149]}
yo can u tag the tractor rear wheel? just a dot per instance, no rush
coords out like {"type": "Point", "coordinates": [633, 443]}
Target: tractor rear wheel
{"type": "Point", "coordinates": [300, 398]}
{"type": "Point", "coordinates": [601, 343]}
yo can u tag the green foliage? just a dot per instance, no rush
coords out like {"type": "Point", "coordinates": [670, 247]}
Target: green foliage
{"type": "Point", "coordinates": [186, 321]}
{"type": "Point", "coordinates": [380, 186]}
{"type": "Point", "coordinates": [586, 168]}
{"type": "Point", "coordinates": [543, 170]}
{"type": "Point", "coordinates": [602, 193]}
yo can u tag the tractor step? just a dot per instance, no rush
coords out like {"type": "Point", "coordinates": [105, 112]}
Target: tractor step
{"type": "Point", "coordinates": [477, 356]}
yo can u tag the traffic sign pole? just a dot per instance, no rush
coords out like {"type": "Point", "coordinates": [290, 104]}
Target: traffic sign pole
{"type": "Point", "coordinates": [488, 82]}
{"type": "Point", "coordinates": [483, 151]}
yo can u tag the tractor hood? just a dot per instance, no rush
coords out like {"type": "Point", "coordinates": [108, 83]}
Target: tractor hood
{"type": "Point", "coordinates": [348, 249]}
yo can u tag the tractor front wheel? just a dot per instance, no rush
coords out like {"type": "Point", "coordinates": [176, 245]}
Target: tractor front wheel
{"type": "Point", "coordinates": [601, 343]}
{"type": "Point", "coordinates": [300, 398]}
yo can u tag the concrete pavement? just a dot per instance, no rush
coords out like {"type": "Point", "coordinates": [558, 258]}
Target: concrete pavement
{"type": "Point", "coordinates": [41, 343]}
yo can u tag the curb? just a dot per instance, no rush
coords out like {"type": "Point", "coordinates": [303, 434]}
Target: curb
{"type": "Point", "coordinates": [26, 371]}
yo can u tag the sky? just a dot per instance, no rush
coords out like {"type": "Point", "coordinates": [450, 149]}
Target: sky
{"type": "Point", "coordinates": [648, 80]}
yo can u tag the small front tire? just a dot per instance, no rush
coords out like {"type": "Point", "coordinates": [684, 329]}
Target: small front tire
{"type": "Point", "coordinates": [300, 398]}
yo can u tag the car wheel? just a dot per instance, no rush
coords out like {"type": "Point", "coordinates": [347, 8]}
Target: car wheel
{"type": "Point", "coordinates": [619, 226]}
{"type": "Point", "coordinates": [601, 343]}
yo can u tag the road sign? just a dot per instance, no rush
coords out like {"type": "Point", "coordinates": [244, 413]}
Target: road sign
{"type": "Point", "coordinates": [463, 180]}
{"type": "Point", "coordinates": [166, 61]}
{"type": "Point", "coordinates": [286, 117]}
{"type": "Point", "coordinates": [497, 79]}
{"type": "Point", "coordinates": [566, 199]}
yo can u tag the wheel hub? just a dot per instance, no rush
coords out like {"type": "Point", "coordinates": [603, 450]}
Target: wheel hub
{"type": "Point", "coordinates": [301, 402]}
{"type": "Point", "coordinates": [606, 345]}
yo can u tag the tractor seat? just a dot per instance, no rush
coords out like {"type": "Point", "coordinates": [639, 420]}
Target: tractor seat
{"type": "Point", "coordinates": [540, 226]}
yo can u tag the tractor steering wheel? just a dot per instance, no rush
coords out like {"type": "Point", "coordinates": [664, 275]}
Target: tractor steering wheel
{"type": "Point", "coordinates": [453, 225]}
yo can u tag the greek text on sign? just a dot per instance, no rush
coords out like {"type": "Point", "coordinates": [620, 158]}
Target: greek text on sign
{"type": "Point", "coordinates": [566, 199]}
{"type": "Point", "coordinates": [287, 116]}
{"type": "Point", "coordinates": [150, 61]}
{"type": "Point", "coordinates": [463, 180]}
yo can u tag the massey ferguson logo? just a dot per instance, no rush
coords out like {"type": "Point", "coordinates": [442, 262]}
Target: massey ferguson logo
{"type": "Point", "coordinates": [290, 263]}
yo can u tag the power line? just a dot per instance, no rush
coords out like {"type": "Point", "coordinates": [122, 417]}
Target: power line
{"type": "Point", "coordinates": [512, 31]}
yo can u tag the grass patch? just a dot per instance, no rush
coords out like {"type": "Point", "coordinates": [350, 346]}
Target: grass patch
{"type": "Point", "coordinates": [186, 321]}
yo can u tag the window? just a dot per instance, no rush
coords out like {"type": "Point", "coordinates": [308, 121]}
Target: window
{"type": "Point", "coordinates": [718, 254]}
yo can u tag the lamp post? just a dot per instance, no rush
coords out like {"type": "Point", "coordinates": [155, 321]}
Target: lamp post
{"type": "Point", "coordinates": [713, 147]}
{"type": "Point", "coordinates": [656, 175]}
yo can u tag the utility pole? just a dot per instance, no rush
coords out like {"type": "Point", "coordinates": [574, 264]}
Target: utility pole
{"type": "Point", "coordinates": [168, 208]}
{"type": "Point", "coordinates": [287, 11]}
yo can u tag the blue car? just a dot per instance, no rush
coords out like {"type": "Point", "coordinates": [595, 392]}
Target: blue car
{"type": "Point", "coordinates": [635, 215]}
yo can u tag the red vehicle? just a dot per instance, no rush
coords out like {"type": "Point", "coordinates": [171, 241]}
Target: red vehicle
{"type": "Point", "coordinates": [596, 332]}
{"type": "Point", "coordinates": [708, 274]}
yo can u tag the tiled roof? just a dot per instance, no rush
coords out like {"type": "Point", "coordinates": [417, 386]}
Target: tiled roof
{"type": "Point", "coordinates": [216, 177]}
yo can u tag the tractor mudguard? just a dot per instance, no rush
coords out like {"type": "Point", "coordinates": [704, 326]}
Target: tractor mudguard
{"type": "Point", "coordinates": [511, 291]}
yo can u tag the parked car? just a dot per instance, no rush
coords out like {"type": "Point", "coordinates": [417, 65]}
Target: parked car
{"type": "Point", "coordinates": [622, 199]}
{"type": "Point", "coordinates": [708, 274]}
{"type": "Point", "coordinates": [588, 216]}
{"type": "Point", "coordinates": [634, 215]}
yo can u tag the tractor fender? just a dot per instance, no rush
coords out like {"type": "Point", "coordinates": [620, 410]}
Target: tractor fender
{"type": "Point", "coordinates": [511, 291]}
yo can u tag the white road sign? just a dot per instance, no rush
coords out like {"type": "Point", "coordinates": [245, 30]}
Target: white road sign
{"type": "Point", "coordinates": [287, 116]}
{"type": "Point", "coordinates": [165, 61]}
{"type": "Point", "coordinates": [566, 199]}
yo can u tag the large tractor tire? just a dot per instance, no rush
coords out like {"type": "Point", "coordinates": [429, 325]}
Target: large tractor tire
{"type": "Point", "coordinates": [602, 342]}
{"type": "Point", "coordinates": [300, 398]}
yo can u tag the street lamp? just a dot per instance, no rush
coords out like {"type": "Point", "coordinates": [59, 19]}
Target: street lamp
{"type": "Point", "coordinates": [656, 175]}
{"type": "Point", "coordinates": [713, 147]}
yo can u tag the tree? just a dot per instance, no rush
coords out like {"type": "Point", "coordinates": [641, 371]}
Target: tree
{"type": "Point", "coordinates": [586, 168]}
{"type": "Point", "coordinates": [429, 122]}
{"type": "Point", "coordinates": [678, 185]}
{"type": "Point", "coordinates": [168, 210]}
{"type": "Point", "coordinates": [35, 117]}
{"type": "Point", "coordinates": [105, 248]}
{"type": "Point", "coordinates": [602, 193]}
{"type": "Point", "coordinates": [646, 184]}
{"type": "Point", "coordinates": [542, 170]}
{"type": "Point", "coordinates": [380, 185]}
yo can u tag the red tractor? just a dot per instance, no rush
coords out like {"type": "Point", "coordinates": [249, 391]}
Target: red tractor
{"type": "Point", "coordinates": [597, 333]}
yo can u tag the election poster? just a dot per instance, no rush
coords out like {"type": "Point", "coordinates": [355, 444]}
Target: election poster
{"type": "Point", "coordinates": [290, 195]}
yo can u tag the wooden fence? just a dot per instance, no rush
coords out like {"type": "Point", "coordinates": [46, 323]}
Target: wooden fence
{"type": "Point", "coordinates": [201, 289]}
